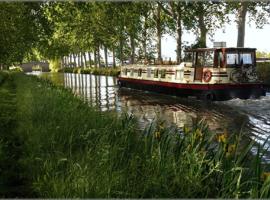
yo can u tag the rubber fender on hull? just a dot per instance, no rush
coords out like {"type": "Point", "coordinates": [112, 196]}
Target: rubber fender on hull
{"type": "Point", "coordinates": [208, 96]}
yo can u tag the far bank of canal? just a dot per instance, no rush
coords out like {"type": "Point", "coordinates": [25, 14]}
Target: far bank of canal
{"type": "Point", "coordinates": [251, 117]}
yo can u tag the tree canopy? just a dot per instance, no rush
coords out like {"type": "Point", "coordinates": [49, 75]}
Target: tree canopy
{"type": "Point", "coordinates": [130, 31]}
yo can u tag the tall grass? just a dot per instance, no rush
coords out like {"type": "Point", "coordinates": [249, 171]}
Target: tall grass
{"type": "Point", "coordinates": [3, 76]}
{"type": "Point", "coordinates": [72, 150]}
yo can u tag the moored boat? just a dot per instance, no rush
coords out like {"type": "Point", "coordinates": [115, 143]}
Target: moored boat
{"type": "Point", "coordinates": [206, 73]}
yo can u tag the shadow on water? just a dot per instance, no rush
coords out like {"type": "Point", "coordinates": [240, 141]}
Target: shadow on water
{"type": "Point", "coordinates": [251, 117]}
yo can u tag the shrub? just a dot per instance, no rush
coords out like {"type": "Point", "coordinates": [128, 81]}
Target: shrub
{"type": "Point", "coordinates": [95, 71]}
{"type": "Point", "coordinates": [263, 70]}
{"type": "Point", "coordinates": [16, 69]}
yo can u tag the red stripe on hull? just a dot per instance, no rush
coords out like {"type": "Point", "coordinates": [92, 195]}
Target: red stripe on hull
{"type": "Point", "coordinates": [192, 85]}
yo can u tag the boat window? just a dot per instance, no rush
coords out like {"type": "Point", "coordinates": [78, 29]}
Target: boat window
{"type": "Point", "coordinates": [200, 59]}
{"type": "Point", "coordinates": [156, 73]}
{"type": "Point", "coordinates": [232, 59]}
{"type": "Point", "coordinates": [148, 72]}
{"type": "Point", "coordinates": [245, 58]}
{"type": "Point", "coordinates": [220, 59]}
{"type": "Point", "coordinates": [163, 73]}
{"type": "Point", "coordinates": [131, 72]}
{"type": "Point", "coordinates": [209, 58]}
{"type": "Point", "coordinates": [178, 75]}
{"type": "Point", "coordinates": [188, 57]}
{"type": "Point", "coordinates": [125, 71]}
{"type": "Point", "coordinates": [140, 72]}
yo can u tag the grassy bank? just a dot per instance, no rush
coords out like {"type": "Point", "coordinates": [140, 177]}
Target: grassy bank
{"type": "Point", "coordinates": [95, 71]}
{"type": "Point", "coordinates": [72, 150]}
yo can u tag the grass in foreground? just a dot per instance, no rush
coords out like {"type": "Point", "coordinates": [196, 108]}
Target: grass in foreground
{"type": "Point", "coordinates": [72, 150]}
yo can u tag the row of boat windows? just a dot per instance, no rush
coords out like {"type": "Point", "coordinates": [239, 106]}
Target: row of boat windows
{"type": "Point", "coordinates": [230, 59]}
{"type": "Point", "coordinates": [156, 72]}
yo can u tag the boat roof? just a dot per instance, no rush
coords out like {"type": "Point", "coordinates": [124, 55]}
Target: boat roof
{"type": "Point", "coordinates": [149, 65]}
{"type": "Point", "coordinates": [222, 49]}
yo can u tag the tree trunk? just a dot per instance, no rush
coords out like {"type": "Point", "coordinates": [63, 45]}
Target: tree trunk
{"type": "Point", "coordinates": [113, 55]}
{"type": "Point", "coordinates": [179, 36]}
{"type": "Point", "coordinates": [65, 61]}
{"type": "Point", "coordinates": [121, 51]}
{"type": "Point", "coordinates": [98, 56]}
{"type": "Point", "coordinates": [242, 12]}
{"type": "Point", "coordinates": [106, 56]}
{"type": "Point", "coordinates": [70, 60]}
{"type": "Point", "coordinates": [203, 31]}
{"type": "Point", "coordinates": [158, 27]}
{"type": "Point", "coordinates": [95, 57]}
{"type": "Point", "coordinates": [74, 58]}
{"type": "Point", "coordinates": [85, 62]}
{"type": "Point", "coordinates": [82, 62]}
{"type": "Point", "coordinates": [62, 65]}
{"type": "Point", "coordinates": [79, 59]}
{"type": "Point", "coordinates": [90, 59]}
{"type": "Point", "coordinates": [144, 36]}
{"type": "Point", "coordinates": [132, 46]}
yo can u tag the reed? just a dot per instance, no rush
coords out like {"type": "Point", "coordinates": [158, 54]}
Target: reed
{"type": "Point", "coordinates": [71, 150]}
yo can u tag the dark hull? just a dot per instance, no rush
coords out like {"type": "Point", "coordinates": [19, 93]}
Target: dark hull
{"type": "Point", "coordinates": [201, 91]}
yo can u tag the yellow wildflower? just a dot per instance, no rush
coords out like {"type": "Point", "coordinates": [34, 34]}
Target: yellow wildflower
{"type": "Point", "coordinates": [186, 130]}
{"type": "Point", "coordinates": [265, 176]}
{"type": "Point", "coordinates": [198, 133]}
{"type": "Point", "coordinates": [157, 135]}
{"type": "Point", "coordinates": [230, 150]}
{"type": "Point", "coordinates": [223, 137]}
{"type": "Point", "coordinates": [161, 128]}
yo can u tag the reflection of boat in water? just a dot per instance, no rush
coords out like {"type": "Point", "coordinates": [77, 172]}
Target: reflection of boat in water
{"type": "Point", "coordinates": [207, 73]}
{"type": "Point", "coordinates": [148, 106]}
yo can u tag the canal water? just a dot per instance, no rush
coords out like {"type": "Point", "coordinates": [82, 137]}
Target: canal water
{"type": "Point", "coordinates": [250, 117]}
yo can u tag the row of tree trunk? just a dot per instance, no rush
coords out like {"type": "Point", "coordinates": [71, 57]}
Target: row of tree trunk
{"type": "Point", "coordinates": [80, 59]}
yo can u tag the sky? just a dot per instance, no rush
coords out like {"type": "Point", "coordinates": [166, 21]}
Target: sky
{"type": "Point", "coordinates": [255, 38]}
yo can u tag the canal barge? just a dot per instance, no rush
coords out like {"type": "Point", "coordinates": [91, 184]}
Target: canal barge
{"type": "Point", "coordinates": [206, 73]}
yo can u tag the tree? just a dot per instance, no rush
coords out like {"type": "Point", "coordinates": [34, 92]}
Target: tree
{"type": "Point", "coordinates": [258, 13]}
{"type": "Point", "coordinates": [176, 12]}
{"type": "Point", "coordinates": [204, 18]}
{"type": "Point", "coordinates": [17, 31]}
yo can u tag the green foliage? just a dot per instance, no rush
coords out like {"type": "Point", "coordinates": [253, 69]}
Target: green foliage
{"type": "Point", "coordinates": [3, 76]}
{"type": "Point", "coordinates": [262, 54]}
{"type": "Point", "coordinates": [95, 71]}
{"type": "Point", "coordinates": [51, 30]}
{"type": "Point", "coordinates": [55, 65]}
{"type": "Point", "coordinates": [17, 30]}
{"type": "Point", "coordinates": [263, 70]}
{"type": "Point", "coordinates": [15, 69]}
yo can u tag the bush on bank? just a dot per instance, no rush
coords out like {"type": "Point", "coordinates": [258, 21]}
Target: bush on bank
{"type": "Point", "coordinates": [95, 71]}
{"type": "Point", "coordinates": [263, 70]}
{"type": "Point", "coordinates": [72, 150]}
